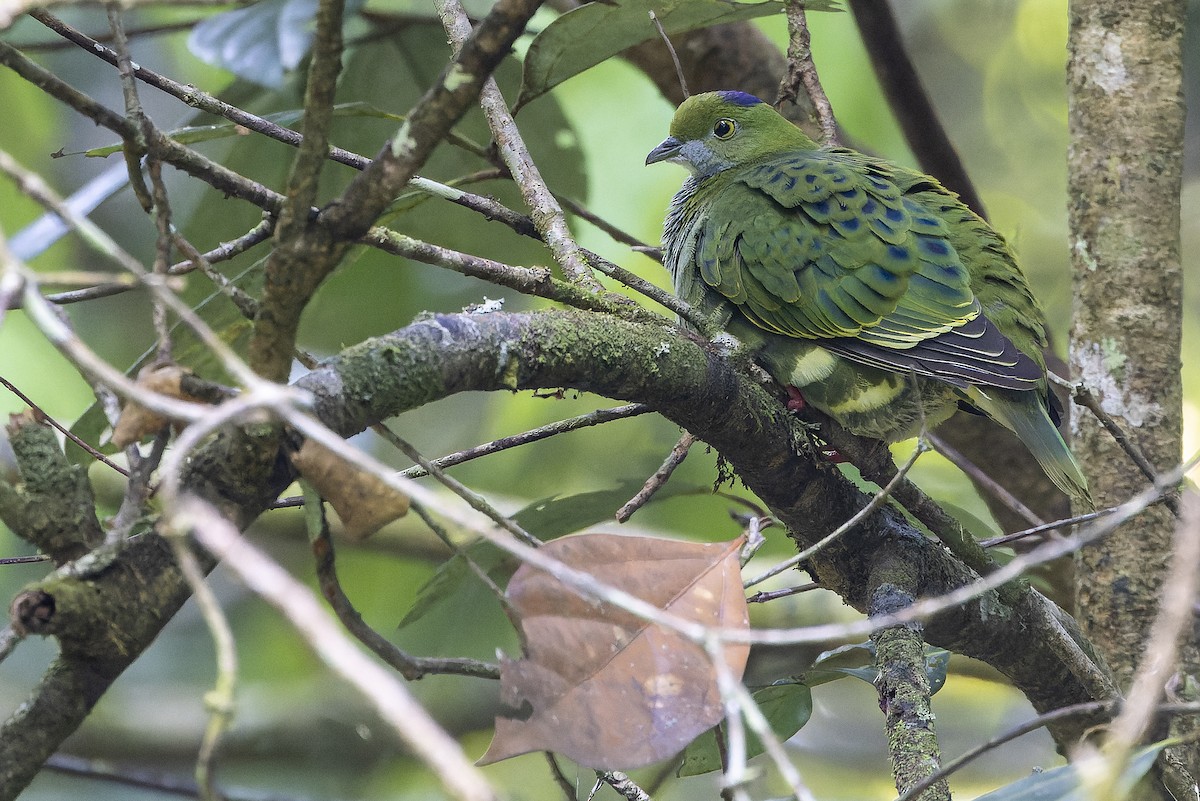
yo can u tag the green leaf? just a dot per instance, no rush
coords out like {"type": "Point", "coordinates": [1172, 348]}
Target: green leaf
{"type": "Point", "coordinates": [556, 516]}
{"type": "Point", "coordinates": [937, 663]}
{"type": "Point", "coordinates": [591, 33]}
{"type": "Point", "coordinates": [448, 580]}
{"type": "Point", "coordinates": [851, 654]}
{"type": "Point", "coordinates": [1064, 783]}
{"type": "Point", "coordinates": [858, 660]}
{"type": "Point", "coordinates": [787, 706]}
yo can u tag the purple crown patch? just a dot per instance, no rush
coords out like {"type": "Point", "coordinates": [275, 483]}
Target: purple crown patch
{"type": "Point", "coordinates": [739, 98]}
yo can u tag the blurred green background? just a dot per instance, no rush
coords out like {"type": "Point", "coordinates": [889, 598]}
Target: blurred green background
{"type": "Point", "coordinates": [995, 70]}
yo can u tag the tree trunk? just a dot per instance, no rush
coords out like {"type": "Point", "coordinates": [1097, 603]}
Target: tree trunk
{"type": "Point", "coordinates": [1126, 119]}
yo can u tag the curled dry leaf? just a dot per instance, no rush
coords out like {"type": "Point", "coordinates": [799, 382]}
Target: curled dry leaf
{"type": "Point", "coordinates": [137, 422]}
{"type": "Point", "coordinates": [361, 499]}
{"type": "Point", "coordinates": [602, 686]}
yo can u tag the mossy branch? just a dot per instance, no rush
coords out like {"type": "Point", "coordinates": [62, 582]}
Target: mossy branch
{"type": "Point", "coordinates": [107, 609]}
{"type": "Point", "coordinates": [50, 503]}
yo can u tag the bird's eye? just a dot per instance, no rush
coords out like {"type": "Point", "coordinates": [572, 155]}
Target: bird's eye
{"type": "Point", "coordinates": [723, 129]}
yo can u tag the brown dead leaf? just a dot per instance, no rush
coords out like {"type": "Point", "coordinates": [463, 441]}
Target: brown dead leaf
{"type": "Point", "coordinates": [606, 688]}
{"type": "Point", "coordinates": [363, 501]}
{"type": "Point", "coordinates": [136, 421]}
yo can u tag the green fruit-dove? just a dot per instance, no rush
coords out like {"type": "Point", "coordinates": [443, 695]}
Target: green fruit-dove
{"type": "Point", "coordinates": [870, 288]}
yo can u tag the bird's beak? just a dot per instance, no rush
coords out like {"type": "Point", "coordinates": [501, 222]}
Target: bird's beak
{"type": "Point", "coordinates": [667, 149]}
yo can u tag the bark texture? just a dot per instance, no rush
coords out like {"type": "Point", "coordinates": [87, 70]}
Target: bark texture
{"type": "Point", "coordinates": [1126, 118]}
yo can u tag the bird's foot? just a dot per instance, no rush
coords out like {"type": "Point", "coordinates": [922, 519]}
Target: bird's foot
{"type": "Point", "coordinates": [795, 401]}
{"type": "Point", "coordinates": [833, 456]}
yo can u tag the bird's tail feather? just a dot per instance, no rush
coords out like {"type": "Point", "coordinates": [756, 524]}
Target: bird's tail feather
{"type": "Point", "coordinates": [1025, 415]}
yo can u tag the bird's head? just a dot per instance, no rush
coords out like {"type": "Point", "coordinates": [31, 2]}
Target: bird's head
{"type": "Point", "coordinates": [718, 130]}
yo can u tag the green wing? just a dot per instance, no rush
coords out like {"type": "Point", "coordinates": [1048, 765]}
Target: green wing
{"type": "Point", "coordinates": [826, 245]}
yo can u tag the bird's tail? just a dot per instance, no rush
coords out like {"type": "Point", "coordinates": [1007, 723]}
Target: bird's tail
{"type": "Point", "coordinates": [1025, 415]}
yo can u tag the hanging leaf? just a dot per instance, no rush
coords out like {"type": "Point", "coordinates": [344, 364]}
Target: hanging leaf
{"type": "Point", "coordinates": [787, 706]}
{"type": "Point", "coordinates": [593, 32]}
{"type": "Point", "coordinates": [364, 501]}
{"type": "Point", "coordinates": [1065, 784]}
{"type": "Point", "coordinates": [136, 421]}
{"type": "Point", "coordinates": [602, 686]}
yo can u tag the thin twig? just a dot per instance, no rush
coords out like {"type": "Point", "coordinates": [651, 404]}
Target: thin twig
{"type": "Point", "coordinates": [660, 296]}
{"type": "Point", "coordinates": [662, 34]}
{"type": "Point", "coordinates": [745, 707]}
{"type": "Point", "coordinates": [9, 639]}
{"type": "Point", "coordinates": [220, 700]}
{"type": "Point", "coordinates": [410, 667]}
{"type": "Point", "coordinates": [536, 281]}
{"type": "Point", "coordinates": [560, 778]}
{"type": "Point", "coordinates": [166, 236]}
{"type": "Point", "coordinates": [862, 514]}
{"type": "Point", "coordinates": [135, 142]}
{"type": "Point", "coordinates": [763, 596]}
{"type": "Point", "coordinates": [260, 233]}
{"type": "Point", "coordinates": [659, 479]}
{"type": "Point", "coordinates": [1084, 396]}
{"type": "Point", "coordinates": [36, 189]}
{"type": "Point", "coordinates": [473, 499]}
{"type": "Point", "coordinates": [103, 771]}
{"type": "Point", "coordinates": [533, 435]}
{"type": "Point", "coordinates": [802, 71]}
{"type": "Point", "coordinates": [1057, 524]}
{"type": "Point", "coordinates": [983, 480]}
{"type": "Point", "coordinates": [504, 443]}
{"type": "Point", "coordinates": [391, 700]}
{"type": "Point", "coordinates": [53, 45]}
{"type": "Point", "coordinates": [617, 235]}
{"type": "Point", "coordinates": [544, 209]}
{"type": "Point", "coordinates": [25, 560]}
{"type": "Point", "coordinates": [95, 454]}
{"type": "Point", "coordinates": [137, 489]}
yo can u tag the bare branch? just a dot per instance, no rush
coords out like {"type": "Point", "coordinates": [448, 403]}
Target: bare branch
{"type": "Point", "coordinates": [802, 71]}
{"type": "Point", "coordinates": [660, 477]}
{"type": "Point", "coordinates": [597, 417]}
{"type": "Point", "coordinates": [547, 214]}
